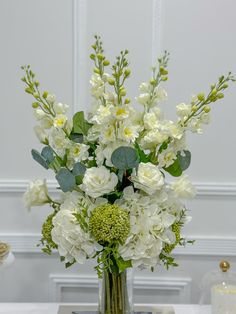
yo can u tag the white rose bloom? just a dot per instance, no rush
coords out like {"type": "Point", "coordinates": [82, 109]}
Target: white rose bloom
{"type": "Point", "coordinates": [183, 110]}
{"type": "Point", "coordinates": [73, 242]}
{"type": "Point", "coordinates": [183, 188]}
{"type": "Point", "coordinates": [36, 194]}
{"type": "Point", "coordinates": [60, 108]}
{"type": "Point", "coordinates": [60, 121]}
{"type": "Point", "coordinates": [148, 178]}
{"type": "Point", "coordinates": [40, 133]}
{"type": "Point", "coordinates": [98, 181]}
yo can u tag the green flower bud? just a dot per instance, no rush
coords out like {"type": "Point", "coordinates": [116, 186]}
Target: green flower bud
{"type": "Point", "coordinates": [36, 83]}
{"type": "Point", "coordinates": [213, 92]}
{"type": "Point", "coordinates": [35, 105]}
{"type": "Point", "coordinates": [94, 46]}
{"type": "Point", "coordinates": [207, 109]}
{"type": "Point", "coordinates": [106, 62]}
{"type": "Point", "coordinates": [164, 78]}
{"type": "Point", "coordinates": [201, 96]}
{"type": "Point", "coordinates": [111, 81]}
{"type": "Point", "coordinates": [225, 85]}
{"type": "Point", "coordinates": [127, 101]}
{"type": "Point", "coordinates": [153, 81]}
{"type": "Point", "coordinates": [45, 94]}
{"type": "Point", "coordinates": [127, 72]}
{"type": "Point", "coordinates": [109, 223]}
{"type": "Point", "coordinates": [92, 56]}
{"type": "Point", "coordinates": [122, 92]}
{"type": "Point", "coordinates": [163, 71]}
{"type": "Point", "coordinates": [96, 70]}
{"type": "Point", "coordinates": [220, 95]}
{"type": "Point", "coordinates": [100, 56]}
{"type": "Point", "coordinates": [28, 90]}
{"type": "Point", "coordinates": [36, 95]}
{"type": "Point", "coordinates": [213, 86]}
{"type": "Point", "coordinates": [194, 108]}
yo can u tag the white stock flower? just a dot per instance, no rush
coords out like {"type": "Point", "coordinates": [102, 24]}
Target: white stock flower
{"type": "Point", "coordinates": [60, 108]}
{"type": "Point", "coordinates": [150, 120]}
{"type": "Point", "coordinates": [148, 178]}
{"type": "Point", "coordinates": [36, 194]}
{"type": "Point", "coordinates": [46, 122]}
{"type": "Point", "coordinates": [108, 134]}
{"type": "Point", "coordinates": [39, 114]}
{"type": "Point", "coordinates": [97, 89]}
{"type": "Point", "coordinates": [78, 152]}
{"type": "Point", "coordinates": [183, 188]}
{"type": "Point", "coordinates": [160, 94]}
{"type": "Point", "coordinates": [183, 110]}
{"type": "Point", "coordinates": [166, 157]}
{"type": "Point", "coordinates": [153, 138]}
{"type": "Point", "coordinates": [40, 133]}
{"type": "Point", "coordinates": [102, 115]}
{"type": "Point", "coordinates": [73, 242]}
{"type": "Point", "coordinates": [59, 141]}
{"type": "Point", "coordinates": [121, 113]}
{"type": "Point", "coordinates": [142, 99]}
{"type": "Point", "coordinates": [51, 99]}
{"type": "Point", "coordinates": [60, 121]}
{"type": "Point", "coordinates": [127, 131]}
{"type": "Point", "coordinates": [144, 87]}
{"type": "Point", "coordinates": [98, 181]}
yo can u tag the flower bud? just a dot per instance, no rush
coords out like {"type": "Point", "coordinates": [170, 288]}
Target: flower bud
{"type": "Point", "coordinates": [213, 92]}
{"type": "Point", "coordinates": [92, 56]}
{"type": "Point", "coordinates": [100, 56]}
{"type": "Point", "coordinates": [194, 108]}
{"type": "Point", "coordinates": [45, 94]}
{"type": "Point", "coordinates": [127, 72]}
{"type": "Point", "coordinates": [153, 81]}
{"type": "Point", "coordinates": [94, 46]}
{"type": "Point", "coordinates": [111, 81]}
{"type": "Point", "coordinates": [36, 83]}
{"type": "Point", "coordinates": [220, 95]}
{"type": "Point", "coordinates": [106, 62]}
{"type": "Point", "coordinates": [165, 78]}
{"type": "Point", "coordinates": [35, 105]}
{"type": "Point", "coordinates": [122, 92]}
{"type": "Point", "coordinates": [201, 97]}
{"type": "Point", "coordinates": [96, 70]}
{"type": "Point", "coordinates": [207, 109]}
{"type": "Point", "coordinates": [127, 101]}
{"type": "Point", "coordinates": [36, 95]}
{"type": "Point", "coordinates": [163, 71]}
{"type": "Point", "coordinates": [213, 86]}
{"type": "Point", "coordinates": [28, 90]}
{"type": "Point", "coordinates": [225, 85]}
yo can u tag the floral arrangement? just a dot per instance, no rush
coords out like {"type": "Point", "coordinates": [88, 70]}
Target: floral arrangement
{"type": "Point", "coordinates": [112, 167]}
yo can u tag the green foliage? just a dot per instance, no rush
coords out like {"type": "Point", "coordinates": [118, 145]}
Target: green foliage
{"type": "Point", "coordinates": [78, 169]}
{"type": "Point", "coordinates": [142, 156]}
{"type": "Point", "coordinates": [125, 158]}
{"type": "Point", "coordinates": [184, 159]}
{"type": "Point", "coordinates": [175, 169]}
{"type": "Point", "coordinates": [77, 138]}
{"type": "Point", "coordinates": [46, 240]}
{"type": "Point", "coordinates": [80, 124]}
{"type": "Point", "coordinates": [66, 180]}
{"type": "Point", "coordinates": [47, 153]}
{"type": "Point", "coordinates": [39, 158]}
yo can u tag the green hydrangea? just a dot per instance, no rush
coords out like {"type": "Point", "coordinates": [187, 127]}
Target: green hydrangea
{"type": "Point", "coordinates": [109, 223]}
{"type": "Point", "coordinates": [170, 247]}
{"type": "Point", "coordinates": [47, 236]}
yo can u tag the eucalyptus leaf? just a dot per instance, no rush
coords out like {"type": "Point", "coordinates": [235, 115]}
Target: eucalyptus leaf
{"type": "Point", "coordinates": [47, 153]}
{"type": "Point", "coordinates": [66, 180]}
{"type": "Point", "coordinates": [77, 138]}
{"type": "Point", "coordinates": [79, 169]}
{"type": "Point", "coordinates": [174, 169]}
{"type": "Point", "coordinates": [80, 125]}
{"type": "Point", "coordinates": [184, 158]}
{"type": "Point", "coordinates": [39, 158]}
{"type": "Point", "coordinates": [125, 158]}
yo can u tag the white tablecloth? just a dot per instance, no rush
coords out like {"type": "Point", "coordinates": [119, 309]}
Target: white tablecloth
{"type": "Point", "coordinates": [52, 308]}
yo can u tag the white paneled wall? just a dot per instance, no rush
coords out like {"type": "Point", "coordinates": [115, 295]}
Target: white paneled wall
{"type": "Point", "coordinates": [54, 37]}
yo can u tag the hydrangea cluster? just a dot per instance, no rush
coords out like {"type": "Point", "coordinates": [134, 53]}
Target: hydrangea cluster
{"type": "Point", "coordinates": [111, 166]}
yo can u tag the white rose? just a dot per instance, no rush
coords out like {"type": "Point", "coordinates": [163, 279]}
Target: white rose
{"type": "Point", "coordinates": [36, 194]}
{"type": "Point", "coordinates": [98, 181]}
{"type": "Point", "coordinates": [183, 188]}
{"type": "Point", "coordinates": [149, 178]}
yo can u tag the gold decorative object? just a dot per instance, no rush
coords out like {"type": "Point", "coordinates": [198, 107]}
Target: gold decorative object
{"type": "Point", "coordinates": [224, 266]}
{"type": "Point", "coordinates": [4, 251]}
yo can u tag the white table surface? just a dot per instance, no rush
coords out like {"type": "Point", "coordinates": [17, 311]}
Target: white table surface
{"type": "Point", "coordinates": [52, 308]}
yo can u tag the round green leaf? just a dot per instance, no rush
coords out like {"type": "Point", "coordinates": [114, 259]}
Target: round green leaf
{"type": "Point", "coordinates": [125, 158]}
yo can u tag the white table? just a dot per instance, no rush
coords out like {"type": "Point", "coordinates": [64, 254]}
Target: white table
{"type": "Point", "coordinates": [52, 308]}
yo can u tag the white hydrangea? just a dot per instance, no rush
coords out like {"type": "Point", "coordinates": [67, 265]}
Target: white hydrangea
{"type": "Point", "coordinates": [148, 178]}
{"type": "Point", "coordinates": [98, 181]}
{"type": "Point", "coordinates": [183, 188]}
{"type": "Point", "coordinates": [73, 242]}
{"type": "Point", "coordinates": [36, 194]}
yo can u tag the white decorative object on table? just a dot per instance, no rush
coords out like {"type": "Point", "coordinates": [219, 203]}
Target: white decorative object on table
{"type": "Point", "coordinates": [116, 204]}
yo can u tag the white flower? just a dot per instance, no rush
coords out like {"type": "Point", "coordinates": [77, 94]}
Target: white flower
{"type": "Point", "coordinates": [51, 99]}
{"type": "Point", "coordinates": [108, 134]}
{"type": "Point", "coordinates": [149, 178]}
{"type": "Point", "coordinates": [127, 131]}
{"type": "Point", "coordinates": [39, 114]}
{"type": "Point", "coordinates": [183, 188]}
{"type": "Point", "coordinates": [183, 110]}
{"type": "Point", "coordinates": [36, 194]}
{"type": "Point", "coordinates": [73, 242]}
{"type": "Point", "coordinates": [102, 115]}
{"type": "Point", "coordinates": [60, 121]}
{"type": "Point", "coordinates": [58, 141]}
{"type": "Point", "coordinates": [46, 122]}
{"type": "Point", "coordinates": [97, 88]}
{"type": "Point", "coordinates": [143, 98]}
{"type": "Point", "coordinates": [153, 138]}
{"type": "Point", "coordinates": [150, 120]}
{"type": "Point", "coordinates": [160, 94]}
{"type": "Point", "coordinates": [144, 87]}
{"type": "Point", "coordinates": [166, 157]}
{"type": "Point", "coordinates": [78, 152]}
{"type": "Point", "coordinates": [40, 133]}
{"type": "Point", "coordinates": [60, 108]}
{"type": "Point", "coordinates": [98, 181]}
{"type": "Point", "coordinates": [121, 113]}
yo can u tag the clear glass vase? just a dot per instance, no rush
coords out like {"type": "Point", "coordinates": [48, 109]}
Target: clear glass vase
{"type": "Point", "coordinates": [116, 293]}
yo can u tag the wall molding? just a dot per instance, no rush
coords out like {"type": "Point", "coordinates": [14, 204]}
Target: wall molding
{"type": "Point", "coordinates": [209, 189]}
{"type": "Point", "coordinates": [80, 58]}
{"type": "Point", "coordinates": [182, 286]}
{"type": "Point", "coordinates": [204, 245]}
